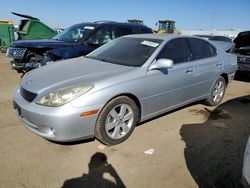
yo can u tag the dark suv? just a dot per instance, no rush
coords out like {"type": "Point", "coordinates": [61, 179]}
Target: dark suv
{"type": "Point", "coordinates": [242, 50]}
{"type": "Point", "coordinates": [77, 40]}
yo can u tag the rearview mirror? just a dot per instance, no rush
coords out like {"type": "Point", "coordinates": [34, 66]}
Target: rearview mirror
{"type": "Point", "coordinates": [161, 64]}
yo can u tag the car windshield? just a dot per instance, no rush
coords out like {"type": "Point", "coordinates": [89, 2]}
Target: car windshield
{"type": "Point", "coordinates": [74, 33]}
{"type": "Point", "coordinates": [126, 51]}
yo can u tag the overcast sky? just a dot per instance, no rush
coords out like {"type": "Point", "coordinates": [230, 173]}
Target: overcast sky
{"type": "Point", "coordinates": [188, 14]}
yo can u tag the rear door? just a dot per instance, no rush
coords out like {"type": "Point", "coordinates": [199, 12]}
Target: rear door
{"type": "Point", "coordinates": [207, 65]}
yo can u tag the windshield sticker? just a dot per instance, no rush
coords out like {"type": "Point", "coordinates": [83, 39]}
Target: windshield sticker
{"type": "Point", "coordinates": [89, 27]}
{"type": "Point", "coordinates": [149, 43]}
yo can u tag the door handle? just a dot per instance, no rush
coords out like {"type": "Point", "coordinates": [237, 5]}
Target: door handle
{"type": "Point", "coordinates": [189, 70]}
{"type": "Point", "coordinates": [218, 64]}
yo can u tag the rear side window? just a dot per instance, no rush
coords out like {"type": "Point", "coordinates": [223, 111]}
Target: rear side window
{"type": "Point", "coordinates": [146, 30]}
{"type": "Point", "coordinates": [201, 49]}
{"type": "Point", "coordinates": [136, 30]}
{"type": "Point", "coordinates": [121, 31]}
{"type": "Point", "coordinates": [177, 50]}
{"type": "Point", "coordinates": [102, 36]}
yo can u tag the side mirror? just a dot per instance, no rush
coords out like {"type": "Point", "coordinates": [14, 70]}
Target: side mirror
{"type": "Point", "coordinates": [161, 64]}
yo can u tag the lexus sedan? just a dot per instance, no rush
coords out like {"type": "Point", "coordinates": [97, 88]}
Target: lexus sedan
{"type": "Point", "coordinates": [128, 80]}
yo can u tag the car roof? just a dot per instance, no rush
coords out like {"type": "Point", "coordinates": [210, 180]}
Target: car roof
{"type": "Point", "coordinates": [113, 23]}
{"type": "Point", "coordinates": [160, 36]}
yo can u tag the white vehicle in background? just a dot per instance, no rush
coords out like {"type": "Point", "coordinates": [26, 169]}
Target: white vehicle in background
{"type": "Point", "coordinates": [223, 42]}
{"type": "Point", "coordinates": [246, 166]}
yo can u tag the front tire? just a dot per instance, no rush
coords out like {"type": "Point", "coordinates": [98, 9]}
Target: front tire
{"type": "Point", "coordinates": [217, 92]}
{"type": "Point", "coordinates": [117, 120]}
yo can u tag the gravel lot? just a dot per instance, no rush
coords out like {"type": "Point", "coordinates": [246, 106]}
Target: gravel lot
{"type": "Point", "coordinates": [195, 146]}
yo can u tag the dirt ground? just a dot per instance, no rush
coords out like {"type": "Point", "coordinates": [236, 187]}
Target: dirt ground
{"type": "Point", "coordinates": [195, 146]}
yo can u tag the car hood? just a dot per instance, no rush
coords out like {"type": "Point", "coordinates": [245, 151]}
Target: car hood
{"type": "Point", "coordinates": [69, 72]}
{"type": "Point", "coordinates": [242, 40]}
{"type": "Point", "coordinates": [43, 43]}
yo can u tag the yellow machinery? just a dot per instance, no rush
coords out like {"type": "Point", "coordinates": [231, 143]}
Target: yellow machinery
{"type": "Point", "coordinates": [166, 26]}
{"type": "Point", "coordinates": [6, 22]}
{"type": "Point", "coordinates": [135, 21]}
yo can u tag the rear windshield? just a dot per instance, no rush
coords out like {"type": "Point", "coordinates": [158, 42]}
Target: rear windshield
{"type": "Point", "coordinates": [126, 51]}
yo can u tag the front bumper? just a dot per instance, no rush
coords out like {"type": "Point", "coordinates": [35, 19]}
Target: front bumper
{"type": "Point", "coordinates": [23, 66]}
{"type": "Point", "coordinates": [17, 65]}
{"type": "Point", "coordinates": [60, 124]}
{"type": "Point", "coordinates": [243, 66]}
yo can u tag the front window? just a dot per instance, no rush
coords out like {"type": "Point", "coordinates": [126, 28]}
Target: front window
{"type": "Point", "coordinates": [102, 36]}
{"type": "Point", "coordinates": [166, 26]}
{"type": "Point", "coordinates": [176, 50]}
{"type": "Point", "coordinates": [126, 51]}
{"type": "Point", "coordinates": [74, 33]}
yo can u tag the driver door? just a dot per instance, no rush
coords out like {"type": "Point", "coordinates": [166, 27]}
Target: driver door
{"type": "Point", "coordinates": [168, 88]}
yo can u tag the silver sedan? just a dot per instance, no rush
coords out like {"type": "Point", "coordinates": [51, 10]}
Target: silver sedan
{"type": "Point", "coordinates": [126, 81]}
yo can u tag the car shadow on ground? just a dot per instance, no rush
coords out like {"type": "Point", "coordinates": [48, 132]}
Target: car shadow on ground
{"type": "Point", "coordinates": [242, 76]}
{"type": "Point", "coordinates": [71, 143]}
{"type": "Point", "coordinates": [98, 167]}
{"type": "Point", "coordinates": [215, 149]}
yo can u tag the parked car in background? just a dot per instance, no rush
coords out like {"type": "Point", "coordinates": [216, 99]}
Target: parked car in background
{"type": "Point", "coordinates": [224, 42]}
{"type": "Point", "coordinates": [129, 80]}
{"type": "Point", "coordinates": [215, 37]}
{"type": "Point", "coordinates": [77, 40]}
{"type": "Point", "coordinates": [246, 166]}
{"type": "Point", "coordinates": [242, 50]}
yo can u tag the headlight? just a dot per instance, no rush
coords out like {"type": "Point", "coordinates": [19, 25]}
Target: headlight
{"type": "Point", "coordinates": [64, 95]}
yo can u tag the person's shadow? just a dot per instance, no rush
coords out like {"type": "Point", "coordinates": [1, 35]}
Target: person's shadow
{"type": "Point", "coordinates": [215, 149]}
{"type": "Point", "coordinates": [98, 166]}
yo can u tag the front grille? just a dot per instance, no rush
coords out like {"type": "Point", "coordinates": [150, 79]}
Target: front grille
{"type": "Point", "coordinates": [27, 95]}
{"type": "Point", "coordinates": [243, 59]}
{"type": "Point", "coordinates": [16, 53]}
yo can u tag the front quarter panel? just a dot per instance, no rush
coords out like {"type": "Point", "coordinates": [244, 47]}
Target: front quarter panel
{"type": "Point", "coordinates": [132, 82]}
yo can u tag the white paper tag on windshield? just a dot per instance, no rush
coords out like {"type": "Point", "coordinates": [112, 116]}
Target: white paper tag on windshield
{"type": "Point", "coordinates": [149, 43]}
{"type": "Point", "coordinates": [89, 27]}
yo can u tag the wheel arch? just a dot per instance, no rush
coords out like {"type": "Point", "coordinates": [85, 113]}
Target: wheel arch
{"type": "Point", "coordinates": [131, 96]}
{"type": "Point", "coordinates": [225, 76]}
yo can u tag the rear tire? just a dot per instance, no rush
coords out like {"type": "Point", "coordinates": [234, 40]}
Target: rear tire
{"type": "Point", "coordinates": [117, 120]}
{"type": "Point", "coordinates": [217, 93]}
